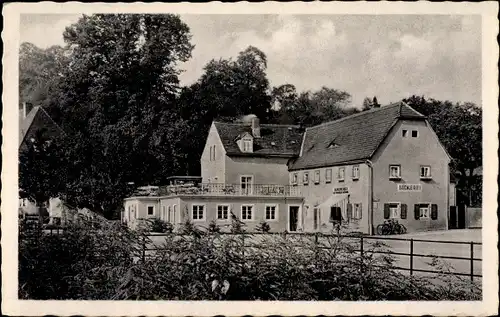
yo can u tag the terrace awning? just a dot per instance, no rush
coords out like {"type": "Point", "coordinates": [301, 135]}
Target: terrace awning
{"type": "Point", "coordinates": [336, 201]}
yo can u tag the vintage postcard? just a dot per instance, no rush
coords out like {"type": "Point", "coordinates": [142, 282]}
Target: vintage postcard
{"type": "Point", "coordinates": [250, 159]}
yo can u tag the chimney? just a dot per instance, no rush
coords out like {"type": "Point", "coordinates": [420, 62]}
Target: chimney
{"type": "Point", "coordinates": [255, 127]}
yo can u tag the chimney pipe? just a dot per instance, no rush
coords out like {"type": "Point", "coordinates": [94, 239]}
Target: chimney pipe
{"type": "Point", "coordinates": [255, 127]}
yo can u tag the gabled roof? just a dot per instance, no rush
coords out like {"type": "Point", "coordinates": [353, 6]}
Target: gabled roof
{"type": "Point", "coordinates": [275, 140]}
{"type": "Point", "coordinates": [37, 119]}
{"type": "Point", "coordinates": [354, 138]}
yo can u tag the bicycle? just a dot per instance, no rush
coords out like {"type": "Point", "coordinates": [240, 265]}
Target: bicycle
{"type": "Point", "coordinates": [391, 226]}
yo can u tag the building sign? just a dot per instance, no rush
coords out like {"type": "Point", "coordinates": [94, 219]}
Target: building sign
{"type": "Point", "coordinates": [340, 190]}
{"type": "Point", "coordinates": [409, 187]}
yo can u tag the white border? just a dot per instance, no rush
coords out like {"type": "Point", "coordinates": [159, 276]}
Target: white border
{"type": "Point", "coordinates": [488, 306]}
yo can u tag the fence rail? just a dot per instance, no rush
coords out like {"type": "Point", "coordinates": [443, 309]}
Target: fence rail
{"type": "Point", "coordinates": [411, 254]}
{"type": "Point", "coordinates": [232, 190]}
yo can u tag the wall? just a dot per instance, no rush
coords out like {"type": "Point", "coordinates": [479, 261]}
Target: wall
{"type": "Point", "coordinates": [264, 170]}
{"type": "Point", "coordinates": [316, 194]}
{"type": "Point", "coordinates": [213, 171]}
{"type": "Point", "coordinates": [235, 203]}
{"type": "Point", "coordinates": [139, 204]}
{"type": "Point", "coordinates": [410, 153]}
{"type": "Point", "coordinates": [474, 218]}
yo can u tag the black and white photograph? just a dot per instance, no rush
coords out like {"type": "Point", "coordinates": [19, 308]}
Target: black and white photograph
{"type": "Point", "coordinates": [246, 159]}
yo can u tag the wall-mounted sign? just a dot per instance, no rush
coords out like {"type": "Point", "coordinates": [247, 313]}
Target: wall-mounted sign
{"type": "Point", "coordinates": [340, 190]}
{"type": "Point", "coordinates": [409, 187]}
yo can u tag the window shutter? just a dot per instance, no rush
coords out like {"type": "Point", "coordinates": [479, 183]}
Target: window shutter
{"type": "Point", "coordinates": [404, 211]}
{"type": "Point", "coordinates": [434, 211]}
{"type": "Point", "coordinates": [349, 211]}
{"type": "Point", "coordinates": [417, 211]}
{"type": "Point", "coordinates": [386, 211]}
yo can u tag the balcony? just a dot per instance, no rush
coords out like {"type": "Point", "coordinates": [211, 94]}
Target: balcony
{"type": "Point", "coordinates": [231, 190]}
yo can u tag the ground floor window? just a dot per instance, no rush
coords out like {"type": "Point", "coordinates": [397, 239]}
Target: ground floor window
{"type": "Point", "coordinates": [198, 212]}
{"type": "Point", "coordinates": [222, 212]}
{"type": "Point", "coordinates": [271, 212]}
{"type": "Point", "coordinates": [316, 218]}
{"type": "Point", "coordinates": [151, 210]}
{"type": "Point", "coordinates": [424, 212]}
{"type": "Point", "coordinates": [247, 212]}
{"type": "Point", "coordinates": [357, 214]}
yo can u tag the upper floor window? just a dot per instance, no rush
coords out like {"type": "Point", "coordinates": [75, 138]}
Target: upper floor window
{"type": "Point", "coordinates": [414, 134]}
{"type": "Point", "coordinates": [341, 174]}
{"type": "Point", "coordinates": [305, 179]}
{"type": "Point", "coordinates": [405, 133]}
{"type": "Point", "coordinates": [355, 172]}
{"type": "Point", "coordinates": [425, 171]}
{"type": "Point", "coordinates": [214, 153]}
{"type": "Point", "coordinates": [328, 175]}
{"type": "Point", "coordinates": [247, 145]}
{"type": "Point", "coordinates": [394, 171]}
{"type": "Point", "coordinates": [295, 177]}
{"type": "Point", "coordinates": [316, 177]}
{"type": "Point", "coordinates": [198, 212]}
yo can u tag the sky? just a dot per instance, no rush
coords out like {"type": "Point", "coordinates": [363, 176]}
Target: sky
{"type": "Point", "coordinates": [387, 56]}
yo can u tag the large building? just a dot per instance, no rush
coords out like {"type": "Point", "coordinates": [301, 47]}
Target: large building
{"type": "Point", "coordinates": [361, 170]}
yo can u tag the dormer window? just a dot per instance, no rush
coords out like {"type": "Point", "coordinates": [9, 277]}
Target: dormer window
{"type": "Point", "coordinates": [247, 146]}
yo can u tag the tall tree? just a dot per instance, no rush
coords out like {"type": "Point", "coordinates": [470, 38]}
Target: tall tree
{"type": "Point", "coordinates": [118, 88]}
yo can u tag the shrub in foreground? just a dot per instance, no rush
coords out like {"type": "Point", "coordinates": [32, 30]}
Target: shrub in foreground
{"type": "Point", "coordinates": [213, 266]}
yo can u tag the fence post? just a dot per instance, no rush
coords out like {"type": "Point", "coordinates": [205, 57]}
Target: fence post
{"type": "Point", "coordinates": [361, 247]}
{"type": "Point", "coordinates": [143, 248]}
{"type": "Point", "coordinates": [472, 261]}
{"type": "Point", "coordinates": [411, 256]}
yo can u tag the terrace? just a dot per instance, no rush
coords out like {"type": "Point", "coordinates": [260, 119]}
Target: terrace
{"type": "Point", "coordinates": [231, 190]}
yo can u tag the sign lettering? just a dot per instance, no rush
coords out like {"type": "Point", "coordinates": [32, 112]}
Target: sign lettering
{"type": "Point", "coordinates": [409, 187]}
{"type": "Point", "coordinates": [340, 190]}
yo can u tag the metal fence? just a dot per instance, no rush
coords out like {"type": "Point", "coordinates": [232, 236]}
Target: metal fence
{"type": "Point", "coordinates": [362, 240]}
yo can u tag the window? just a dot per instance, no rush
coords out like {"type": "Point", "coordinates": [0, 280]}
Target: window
{"type": "Point", "coordinates": [405, 133]}
{"type": "Point", "coordinates": [305, 179]}
{"type": "Point", "coordinates": [316, 177]}
{"type": "Point", "coordinates": [214, 152]}
{"type": "Point", "coordinates": [414, 134]}
{"type": "Point", "coordinates": [355, 172]}
{"type": "Point", "coordinates": [246, 212]}
{"type": "Point", "coordinates": [394, 210]}
{"type": "Point", "coordinates": [198, 212]}
{"type": "Point", "coordinates": [425, 172]}
{"type": "Point", "coordinates": [394, 171]}
{"type": "Point", "coordinates": [162, 215]}
{"type": "Point", "coordinates": [328, 175]}
{"type": "Point", "coordinates": [247, 145]}
{"type": "Point", "coordinates": [174, 215]}
{"type": "Point", "coordinates": [222, 212]}
{"type": "Point", "coordinates": [211, 150]}
{"type": "Point", "coordinates": [246, 185]}
{"type": "Point", "coordinates": [341, 174]}
{"type": "Point", "coordinates": [356, 213]}
{"type": "Point", "coordinates": [295, 177]}
{"type": "Point", "coordinates": [271, 212]}
{"type": "Point", "coordinates": [151, 210]}
{"type": "Point", "coordinates": [424, 211]}
{"type": "Point", "coordinates": [169, 214]}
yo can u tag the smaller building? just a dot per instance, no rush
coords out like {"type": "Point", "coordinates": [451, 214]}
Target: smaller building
{"type": "Point", "coordinates": [278, 205]}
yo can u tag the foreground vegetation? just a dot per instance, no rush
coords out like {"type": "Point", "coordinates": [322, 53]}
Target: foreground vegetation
{"type": "Point", "coordinates": [103, 263]}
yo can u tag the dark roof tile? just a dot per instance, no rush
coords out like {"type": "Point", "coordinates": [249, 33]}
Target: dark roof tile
{"type": "Point", "coordinates": [280, 140]}
{"type": "Point", "coordinates": [350, 139]}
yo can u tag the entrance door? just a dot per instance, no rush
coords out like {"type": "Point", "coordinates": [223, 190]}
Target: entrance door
{"type": "Point", "coordinates": [461, 216]}
{"type": "Point", "coordinates": [293, 218]}
{"type": "Point", "coordinates": [453, 218]}
{"type": "Point", "coordinates": [246, 185]}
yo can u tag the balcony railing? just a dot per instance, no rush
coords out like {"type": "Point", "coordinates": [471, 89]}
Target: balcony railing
{"type": "Point", "coordinates": [232, 190]}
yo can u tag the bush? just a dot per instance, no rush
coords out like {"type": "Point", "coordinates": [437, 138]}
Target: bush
{"type": "Point", "coordinates": [213, 227]}
{"type": "Point", "coordinates": [263, 227]}
{"type": "Point", "coordinates": [85, 264]}
{"type": "Point", "coordinates": [160, 226]}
